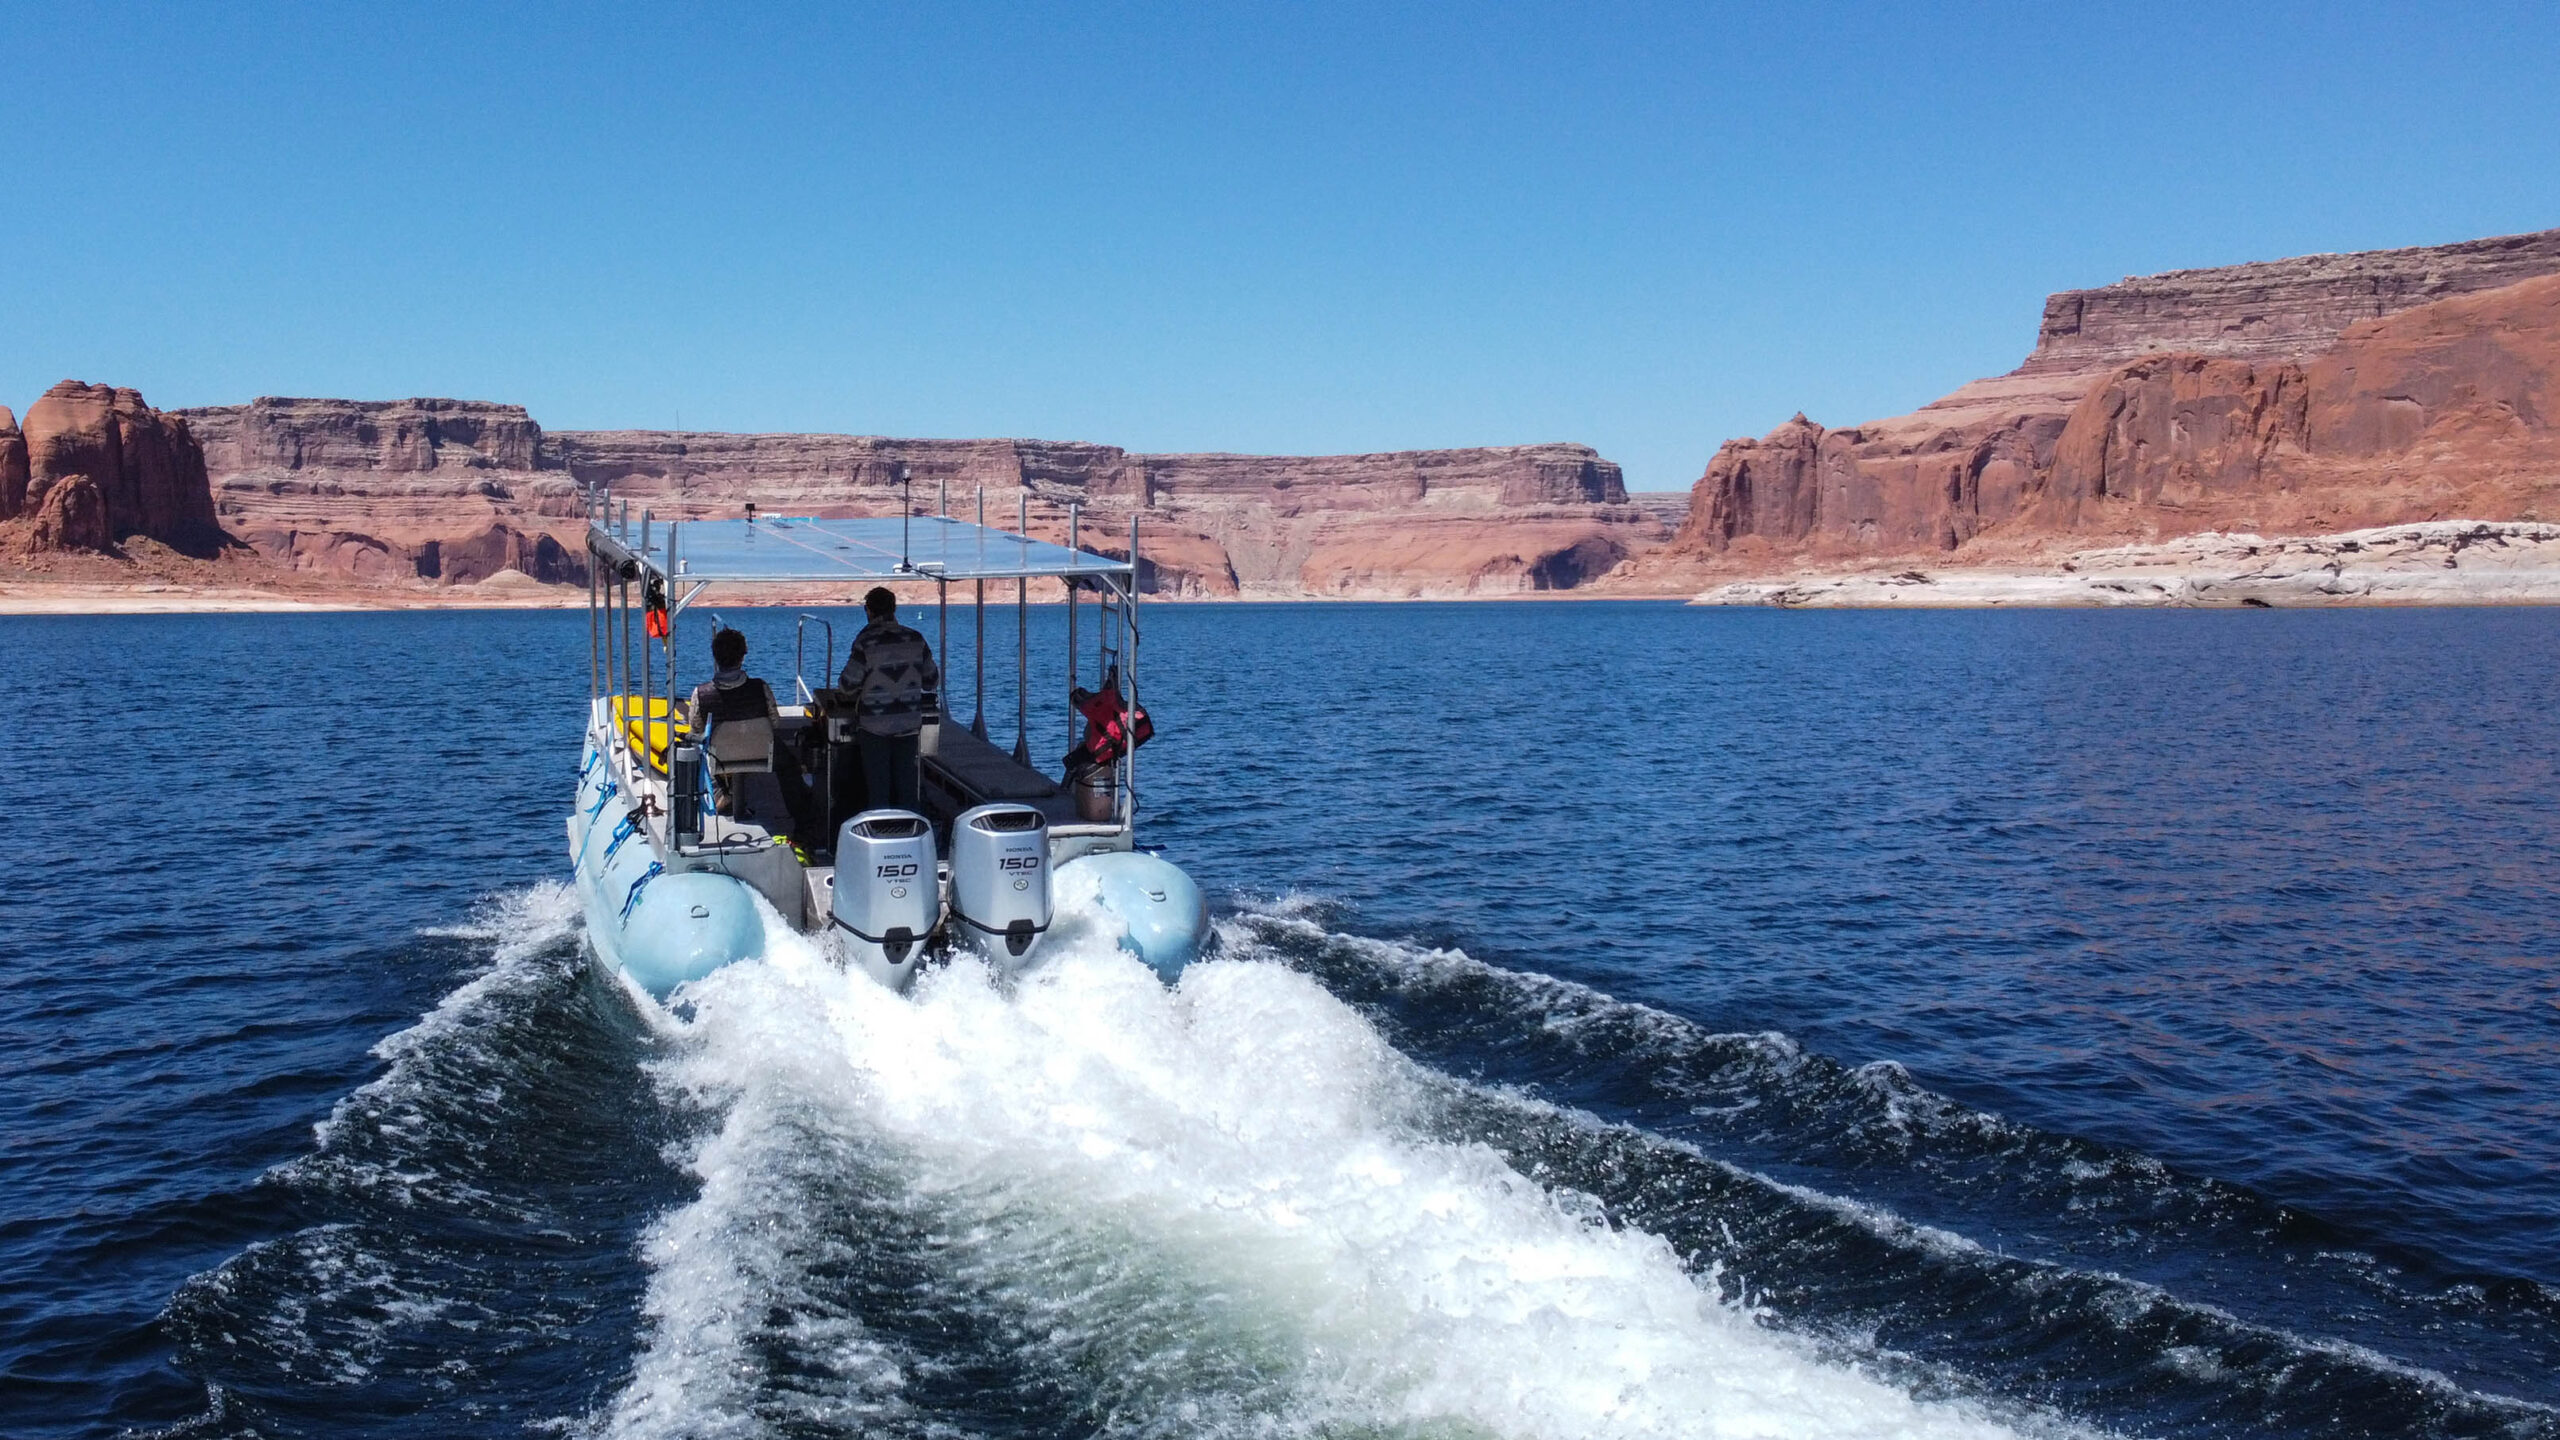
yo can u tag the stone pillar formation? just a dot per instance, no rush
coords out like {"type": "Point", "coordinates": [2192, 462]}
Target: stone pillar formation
{"type": "Point", "coordinates": [94, 466]}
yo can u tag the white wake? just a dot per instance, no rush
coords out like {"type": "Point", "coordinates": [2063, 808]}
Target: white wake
{"type": "Point", "coordinates": [1192, 1211]}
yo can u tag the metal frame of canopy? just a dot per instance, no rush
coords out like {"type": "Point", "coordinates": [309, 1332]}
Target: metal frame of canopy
{"type": "Point", "coordinates": [689, 556]}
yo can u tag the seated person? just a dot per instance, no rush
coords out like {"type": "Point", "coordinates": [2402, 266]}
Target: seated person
{"type": "Point", "coordinates": [731, 694]}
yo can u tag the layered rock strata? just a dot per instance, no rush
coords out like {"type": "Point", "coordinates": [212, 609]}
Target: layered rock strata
{"type": "Point", "coordinates": [457, 491]}
{"type": "Point", "coordinates": [452, 491]}
{"type": "Point", "coordinates": [1671, 507]}
{"type": "Point", "coordinates": [2298, 395]}
{"type": "Point", "coordinates": [95, 465]}
{"type": "Point", "coordinates": [2272, 309]}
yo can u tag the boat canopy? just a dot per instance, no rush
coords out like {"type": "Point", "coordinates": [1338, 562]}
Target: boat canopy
{"type": "Point", "coordinates": [671, 563]}
{"type": "Point", "coordinates": [805, 550]}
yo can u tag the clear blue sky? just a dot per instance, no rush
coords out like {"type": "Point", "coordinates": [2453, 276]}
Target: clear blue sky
{"type": "Point", "coordinates": [1265, 228]}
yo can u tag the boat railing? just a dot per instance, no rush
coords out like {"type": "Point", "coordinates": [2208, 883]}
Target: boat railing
{"type": "Point", "coordinates": [799, 646]}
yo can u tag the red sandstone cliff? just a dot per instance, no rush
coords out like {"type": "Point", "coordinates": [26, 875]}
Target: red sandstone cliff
{"type": "Point", "coordinates": [456, 490]}
{"type": "Point", "coordinates": [13, 466]}
{"type": "Point", "coordinates": [2448, 409]}
{"type": "Point", "coordinates": [95, 466]}
{"type": "Point", "coordinates": [2322, 393]}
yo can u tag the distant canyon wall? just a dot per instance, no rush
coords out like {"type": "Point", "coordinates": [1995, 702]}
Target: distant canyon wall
{"type": "Point", "coordinates": [2272, 309]}
{"type": "Point", "coordinates": [454, 490]}
{"type": "Point", "coordinates": [2295, 396]}
{"type": "Point", "coordinates": [391, 491]}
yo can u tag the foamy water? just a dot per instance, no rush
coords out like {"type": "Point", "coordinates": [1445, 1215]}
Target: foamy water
{"type": "Point", "coordinates": [1204, 1209]}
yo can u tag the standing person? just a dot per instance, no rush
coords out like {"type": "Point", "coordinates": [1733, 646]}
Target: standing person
{"type": "Point", "coordinates": [886, 677]}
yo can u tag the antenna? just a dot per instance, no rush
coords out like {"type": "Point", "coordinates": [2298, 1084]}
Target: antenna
{"type": "Point", "coordinates": [906, 514]}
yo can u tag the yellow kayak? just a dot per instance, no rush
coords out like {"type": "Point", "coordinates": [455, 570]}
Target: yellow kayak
{"type": "Point", "coordinates": [643, 719]}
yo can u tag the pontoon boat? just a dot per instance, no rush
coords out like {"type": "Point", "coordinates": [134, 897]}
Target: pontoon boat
{"type": "Point", "coordinates": [682, 840]}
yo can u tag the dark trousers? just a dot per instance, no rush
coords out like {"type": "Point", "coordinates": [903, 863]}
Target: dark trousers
{"type": "Point", "coordinates": [889, 770]}
{"type": "Point", "coordinates": [808, 824]}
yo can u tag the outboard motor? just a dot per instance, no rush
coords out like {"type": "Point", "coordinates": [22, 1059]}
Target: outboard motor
{"type": "Point", "coordinates": [1000, 876]}
{"type": "Point", "coordinates": [888, 898]}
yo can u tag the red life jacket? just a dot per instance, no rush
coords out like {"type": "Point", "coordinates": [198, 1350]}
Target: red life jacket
{"type": "Point", "coordinates": [1110, 730]}
{"type": "Point", "coordinates": [655, 621]}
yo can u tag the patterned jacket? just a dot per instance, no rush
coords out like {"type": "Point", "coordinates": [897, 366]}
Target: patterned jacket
{"type": "Point", "coordinates": [888, 674]}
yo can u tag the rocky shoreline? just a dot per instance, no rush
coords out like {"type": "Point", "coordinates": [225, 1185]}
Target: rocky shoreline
{"type": "Point", "coordinates": [2439, 562]}
{"type": "Point", "coordinates": [2307, 397]}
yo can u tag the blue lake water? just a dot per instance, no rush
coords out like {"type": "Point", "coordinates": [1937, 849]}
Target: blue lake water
{"type": "Point", "coordinates": [2127, 1023]}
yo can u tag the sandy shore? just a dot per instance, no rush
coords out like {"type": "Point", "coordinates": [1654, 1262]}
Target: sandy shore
{"type": "Point", "coordinates": [2437, 562]}
{"type": "Point", "coordinates": [40, 597]}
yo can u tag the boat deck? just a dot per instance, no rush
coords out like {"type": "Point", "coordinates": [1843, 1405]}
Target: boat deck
{"type": "Point", "coordinates": [964, 771]}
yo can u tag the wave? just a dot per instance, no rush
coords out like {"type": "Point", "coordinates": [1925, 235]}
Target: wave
{"type": "Point", "coordinates": [1838, 1199]}
{"type": "Point", "coordinates": [1087, 1200]}
{"type": "Point", "coordinates": [456, 1242]}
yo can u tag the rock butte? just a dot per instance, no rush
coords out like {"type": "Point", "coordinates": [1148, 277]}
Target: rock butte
{"type": "Point", "coordinates": [94, 466]}
{"type": "Point", "coordinates": [2301, 396]}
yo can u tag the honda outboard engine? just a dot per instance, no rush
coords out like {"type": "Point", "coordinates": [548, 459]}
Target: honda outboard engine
{"type": "Point", "coordinates": [1000, 878]}
{"type": "Point", "coordinates": [888, 898]}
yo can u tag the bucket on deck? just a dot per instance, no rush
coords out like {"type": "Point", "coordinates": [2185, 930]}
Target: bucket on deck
{"type": "Point", "coordinates": [1097, 793]}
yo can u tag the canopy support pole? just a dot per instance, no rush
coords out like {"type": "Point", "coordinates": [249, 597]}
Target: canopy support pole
{"type": "Point", "coordinates": [622, 584]}
{"type": "Point", "coordinates": [1075, 525]}
{"type": "Point", "coordinates": [675, 567]}
{"type": "Point", "coordinates": [648, 677]}
{"type": "Point", "coordinates": [978, 650]}
{"type": "Point", "coordinates": [595, 651]}
{"type": "Point", "coordinates": [1022, 649]}
{"type": "Point", "coordinates": [612, 651]}
{"type": "Point", "coordinates": [1129, 680]}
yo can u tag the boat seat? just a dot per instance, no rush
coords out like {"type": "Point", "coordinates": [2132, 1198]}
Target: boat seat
{"type": "Point", "coordinates": [739, 747]}
{"type": "Point", "coordinates": [983, 773]}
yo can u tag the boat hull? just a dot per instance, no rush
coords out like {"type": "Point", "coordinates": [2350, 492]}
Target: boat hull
{"type": "Point", "coordinates": [665, 923]}
{"type": "Point", "coordinates": [1161, 916]}
{"type": "Point", "coordinates": [660, 926]}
